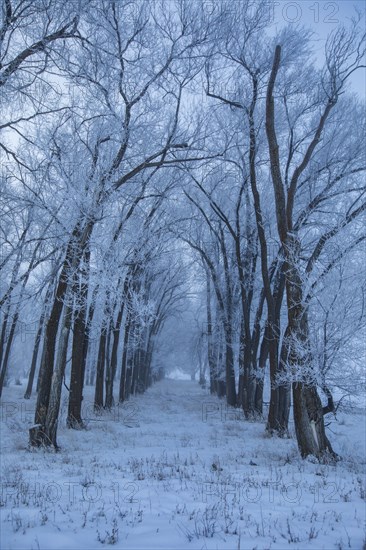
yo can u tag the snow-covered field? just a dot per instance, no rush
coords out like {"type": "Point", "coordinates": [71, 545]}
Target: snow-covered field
{"type": "Point", "coordinates": [174, 469]}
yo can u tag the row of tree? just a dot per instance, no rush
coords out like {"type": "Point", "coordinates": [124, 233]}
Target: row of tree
{"type": "Point", "coordinates": [161, 156]}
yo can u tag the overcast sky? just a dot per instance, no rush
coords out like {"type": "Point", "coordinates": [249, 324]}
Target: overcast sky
{"type": "Point", "coordinates": [322, 16]}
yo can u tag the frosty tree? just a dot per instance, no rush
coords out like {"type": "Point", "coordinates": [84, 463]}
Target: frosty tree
{"type": "Point", "coordinates": [158, 149]}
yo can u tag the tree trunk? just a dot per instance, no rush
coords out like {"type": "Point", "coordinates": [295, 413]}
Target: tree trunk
{"type": "Point", "coordinates": [273, 336]}
{"type": "Point", "coordinates": [79, 348]}
{"type": "Point", "coordinates": [220, 381]}
{"type": "Point", "coordinates": [262, 362]}
{"type": "Point", "coordinates": [284, 388]}
{"type": "Point", "coordinates": [37, 341]}
{"type": "Point", "coordinates": [142, 375]}
{"type": "Point", "coordinates": [114, 357]}
{"type": "Point", "coordinates": [230, 374]}
{"type": "Point", "coordinates": [308, 413]}
{"type": "Point", "coordinates": [37, 433]}
{"type": "Point", "coordinates": [136, 366]}
{"type": "Point", "coordinates": [308, 410]}
{"type": "Point", "coordinates": [99, 382]}
{"type": "Point", "coordinates": [57, 377]}
{"type": "Point", "coordinates": [122, 386]}
{"type": "Point", "coordinates": [246, 388]}
{"type": "Point", "coordinates": [248, 385]}
{"type": "Point", "coordinates": [79, 351]}
{"type": "Point", "coordinates": [108, 373]}
{"type": "Point", "coordinates": [46, 368]}
{"type": "Point", "coordinates": [149, 353]}
{"type": "Point", "coordinates": [15, 322]}
{"type": "Point", "coordinates": [4, 366]}
{"type": "Point", "coordinates": [7, 301]}
{"type": "Point", "coordinates": [210, 352]}
{"type": "Point", "coordinates": [242, 390]}
{"type": "Point", "coordinates": [131, 354]}
{"type": "Point", "coordinates": [4, 333]}
{"type": "Point", "coordinates": [39, 377]}
{"type": "Point", "coordinates": [228, 328]}
{"type": "Point", "coordinates": [32, 372]}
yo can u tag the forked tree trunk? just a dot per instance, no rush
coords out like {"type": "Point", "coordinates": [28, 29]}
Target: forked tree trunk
{"type": "Point", "coordinates": [308, 412]}
{"type": "Point", "coordinates": [272, 326]}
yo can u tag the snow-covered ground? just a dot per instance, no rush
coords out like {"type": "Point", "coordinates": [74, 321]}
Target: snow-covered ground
{"type": "Point", "coordinates": [174, 469]}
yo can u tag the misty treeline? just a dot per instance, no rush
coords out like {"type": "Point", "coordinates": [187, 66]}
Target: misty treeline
{"type": "Point", "coordinates": [166, 160]}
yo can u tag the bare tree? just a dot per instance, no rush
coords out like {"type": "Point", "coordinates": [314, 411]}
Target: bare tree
{"type": "Point", "coordinates": [344, 55]}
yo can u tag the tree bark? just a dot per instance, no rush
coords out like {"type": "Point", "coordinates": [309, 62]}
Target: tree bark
{"type": "Point", "coordinates": [99, 382]}
{"type": "Point", "coordinates": [32, 371]}
{"type": "Point", "coordinates": [308, 410]}
{"type": "Point", "coordinates": [79, 349]}
{"type": "Point", "coordinates": [308, 413]}
{"type": "Point", "coordinates": [9, 342]}
{"type": "Point", "coordinates": [114, 357]}
{"type": "Point", "coordinates": [57, 377]}
{"type": "Point", "coordinates": [122, 387]}
{"type": "Point", "coordinates": [210, 355]}
{"type": "Point", "coordinates": [37, 342]}
{"type": "Point", "coordinates": [76, 244]}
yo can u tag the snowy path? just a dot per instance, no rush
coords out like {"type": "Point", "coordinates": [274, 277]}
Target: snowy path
{"type": "Point", "coordinates": [174, 469]}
